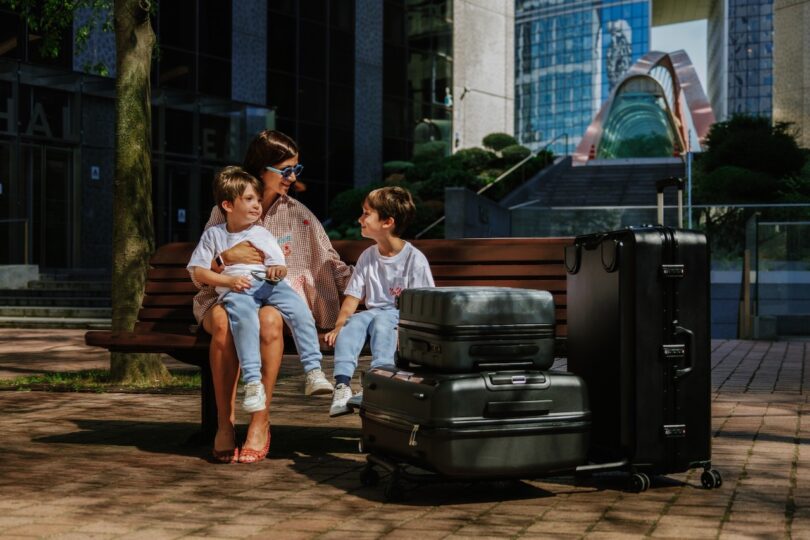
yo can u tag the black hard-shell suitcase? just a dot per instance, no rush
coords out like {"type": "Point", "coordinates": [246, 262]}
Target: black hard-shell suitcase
{"type": "Point", "coordinates": [463, 329]}
{"type": "Point", "coordinates": [638, 333]}
{"type": "Point", "coordinates": [509, 424]}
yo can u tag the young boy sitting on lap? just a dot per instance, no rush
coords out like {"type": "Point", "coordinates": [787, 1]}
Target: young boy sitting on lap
{"type": "Point", "coordinates": [382, 272]}
{"type": "Point", "coordinates": [244, 288]}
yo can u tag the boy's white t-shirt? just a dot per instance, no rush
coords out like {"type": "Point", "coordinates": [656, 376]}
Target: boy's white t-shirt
{"type": "Point", "coordinates": [216, 239]}
{"type": "Point", "coordinates": [380, 280]}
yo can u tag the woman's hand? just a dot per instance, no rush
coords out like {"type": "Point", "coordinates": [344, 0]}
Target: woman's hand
{"type": "Point", "coordinates": [331, 337]}
{"type": "Point", "coordinates": [239, 283]}
{"type": "Point", "coordinates": [243, 253]}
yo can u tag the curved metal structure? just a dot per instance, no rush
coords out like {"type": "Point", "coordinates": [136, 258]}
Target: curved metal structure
{"type": "Point", "coordinates": [668, 99]}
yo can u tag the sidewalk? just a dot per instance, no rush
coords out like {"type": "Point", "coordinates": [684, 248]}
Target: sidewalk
{"type": "Point", "coordinates": [114, 466]}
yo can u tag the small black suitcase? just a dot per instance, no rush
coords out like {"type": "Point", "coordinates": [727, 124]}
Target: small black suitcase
{"type": "Point", "coordinates": [463, 329]}
{"type": "Point", "coordinates": [638, 333]}
{"type": "Point", "coordinates": [509, 424]}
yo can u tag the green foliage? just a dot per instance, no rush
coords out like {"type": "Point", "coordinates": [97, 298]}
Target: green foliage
{"type": "Point", "coordinates": [448, 177]}
{"type": "Point", "coordinates": [394, 167]}
{"type": "Point", "coordinates": [52, 18]}
{"type": "Point", "coordinates": [474, 160]}
{"type": "Point", "coordinates": [514, 153]}
{"type": "Point", "coordinates": [429, 152]}
{"type": "Point", "coordinates": [97, 380]}
{"type": "Point", "coordinates": [347, 206]}
{"type": "Point", "coordinates": [498, 141]}
{"type": "Point", "coordinates": [751, 142]}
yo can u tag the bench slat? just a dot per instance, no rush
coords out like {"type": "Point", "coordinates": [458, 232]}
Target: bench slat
{"type": "Point", "coordinates": [146, 342]}
{"type": "Point", "coordinates": [168, 273]}
{"type": "Point", "coordinates": [166, 300]}
{"type": "Point", "coordinates": [171, 287]}
{"type": "Point", "coordinates": [495, 270]}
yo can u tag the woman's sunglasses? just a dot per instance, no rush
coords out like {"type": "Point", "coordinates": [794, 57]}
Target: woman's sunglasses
{"type": "Point", "coordinates": [287, 172]}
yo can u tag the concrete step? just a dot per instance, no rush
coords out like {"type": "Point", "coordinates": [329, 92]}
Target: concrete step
{"type": "Point", "coordinates": [70, 285]}
{"type": "Point", "coordinates": [48, 301]}
{"type": "Point", "coordinates": [55, 322]}
{"type": "Point", "coordinates": [56, 312]}
{"type": "Point", "coordinates": [54, 293]}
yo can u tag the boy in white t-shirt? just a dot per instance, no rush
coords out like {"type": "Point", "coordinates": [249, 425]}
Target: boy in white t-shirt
{"type": "Point", "coordinates": [382, 272]}
{"type": "Point", "coordinates": [244, 288]}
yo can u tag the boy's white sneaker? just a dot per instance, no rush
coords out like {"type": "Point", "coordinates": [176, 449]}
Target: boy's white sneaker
{"type": "Point", "coordinates": [255, 398]}
{"type": "Point", "coordinates": [343, 392]}
{"type": "Point", "coordinates": [316, 384]}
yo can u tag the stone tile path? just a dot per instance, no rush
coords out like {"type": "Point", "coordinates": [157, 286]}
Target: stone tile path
{"type": "Point", "coordinates": [115, 466]}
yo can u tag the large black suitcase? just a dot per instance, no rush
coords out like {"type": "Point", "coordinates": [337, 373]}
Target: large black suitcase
{"type": "Point", "coordinates": [638, 333]}
{"type": "Point", "coordinates": [510, 424]}
{"type": "Point", "coordinates": [463, 329]}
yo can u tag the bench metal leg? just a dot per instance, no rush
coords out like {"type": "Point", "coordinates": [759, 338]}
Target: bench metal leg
{"type": "Point", "coordinates": [208, 405]}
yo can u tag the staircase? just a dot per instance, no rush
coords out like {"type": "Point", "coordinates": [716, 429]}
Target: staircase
{"type": "Point", "coordinates": [71, 299]}
{"type": "Point", "coordinates": [600, 183]}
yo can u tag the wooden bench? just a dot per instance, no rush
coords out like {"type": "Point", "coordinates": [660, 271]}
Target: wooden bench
{"type": "Point", "coordinates": [166, 324]}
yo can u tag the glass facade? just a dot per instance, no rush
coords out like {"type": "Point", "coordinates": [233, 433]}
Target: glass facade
{"type": "Point", "coordinates": [568, 57]}
{"type": "Point", "coordinates": [750, 57]}
{"type": "Point", "coordinates": [310, 82]}
{"type": "Point", "coordinates": [417, 75]}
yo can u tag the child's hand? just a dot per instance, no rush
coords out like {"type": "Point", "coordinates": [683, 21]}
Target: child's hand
{"type": "Point", "coordinates": [240, 283]}
{"type": "Point", "coordinates": [331, 337]}
{"type": "Point", "coordinates": [277, 272]}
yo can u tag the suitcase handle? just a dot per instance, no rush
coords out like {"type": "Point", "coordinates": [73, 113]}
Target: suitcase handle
{"type": "Point", "coordinates": [660, 186]}
{"type": "Point", "coordinates": [504, 350]}
{"type": "Point", "coordinates": [512, 408]}
{"type": "Point", "coordinates": [690, 348]}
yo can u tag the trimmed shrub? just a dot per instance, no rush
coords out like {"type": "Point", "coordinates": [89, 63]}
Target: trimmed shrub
{"type": "Point", "coordinates": [474, 160]}
{"type": "Point", "coordinates": [393, 167]}
{"type": "Point", "coordinates": [514, 153]}
{"type": "Point", "coordinates": [498, 141]}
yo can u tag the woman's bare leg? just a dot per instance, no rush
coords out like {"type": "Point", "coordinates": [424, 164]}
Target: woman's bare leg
{"type": "Point", "coordinates": [224, 372]}
{"type": "Point", "coordinates": [272, 349]}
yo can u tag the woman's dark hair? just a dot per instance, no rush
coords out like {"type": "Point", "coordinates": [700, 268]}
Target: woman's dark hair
{"type": "Point", "coordinates": [269, 147]}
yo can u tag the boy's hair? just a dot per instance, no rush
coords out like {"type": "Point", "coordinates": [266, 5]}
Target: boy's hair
{"type": "Point", "coordinates": [393, 202]}
{"type": "Point", "coordinates": [231, 182]}
{"type": "Point", "coordinates": [269, 147]}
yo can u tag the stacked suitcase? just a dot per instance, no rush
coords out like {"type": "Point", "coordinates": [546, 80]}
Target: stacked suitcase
{"type": "Point", "coordinates": [638, 333]}
{"type": "Point", "coordinates": [472, 397]}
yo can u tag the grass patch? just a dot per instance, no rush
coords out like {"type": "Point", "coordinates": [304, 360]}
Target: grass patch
{"type": "Point", "coordinates": [98, 380]}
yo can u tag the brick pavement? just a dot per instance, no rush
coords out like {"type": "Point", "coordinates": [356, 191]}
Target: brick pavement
{"type": "Point", "coordinates": [114, 466]}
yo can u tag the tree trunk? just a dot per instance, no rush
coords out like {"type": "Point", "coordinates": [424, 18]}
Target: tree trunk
{"type": "Point", "coordinates": [133, 232]}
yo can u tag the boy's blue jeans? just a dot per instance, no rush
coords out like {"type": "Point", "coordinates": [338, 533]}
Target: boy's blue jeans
{"type": "Point", "coordinates": [243, 315]}
{"type": "Point", "coordinates": [380, 324]}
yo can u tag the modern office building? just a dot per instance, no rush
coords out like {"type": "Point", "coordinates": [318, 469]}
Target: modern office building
{"type": "Point", "coordinates": [740, 55]}
{"type": "Point", "coordinates": [568, 56]}
{"type": "Point", "coordinates": [355, 82]}
{"type": "Point", "coordinates": [791, 85]}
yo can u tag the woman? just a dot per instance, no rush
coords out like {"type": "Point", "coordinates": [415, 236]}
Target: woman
{"type": "Point", "coordinates": [314, 270]}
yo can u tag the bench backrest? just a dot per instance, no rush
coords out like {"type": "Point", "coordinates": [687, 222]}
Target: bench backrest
{"type": "Point", "coordinates": [532, 263]}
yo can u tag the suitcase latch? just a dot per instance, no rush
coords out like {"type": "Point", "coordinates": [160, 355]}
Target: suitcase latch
{"type": "Point", "coordinates": [675, 431]}
{"type": "Point", "coordinates": [675, 271]}
{"type": "Point", "coordinates": [412, 438]}
{"type": "Point", "coordinates": [674, 352]}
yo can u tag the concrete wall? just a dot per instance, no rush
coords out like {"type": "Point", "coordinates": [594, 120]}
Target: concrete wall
{"type": "Point", "coordinates": [483, 70]}
{"type": "Point", "coordinates": [791, 65]}
{"type": "Point", "coordinates": [470, 215]}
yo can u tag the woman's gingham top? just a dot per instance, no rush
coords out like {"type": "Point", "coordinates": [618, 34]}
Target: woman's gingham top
{"type": "Point", "coordinates": [314, 268]}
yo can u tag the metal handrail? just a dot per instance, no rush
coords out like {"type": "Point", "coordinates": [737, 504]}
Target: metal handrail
{"type": "Point", "coordinates": [25, 234]}
{"type": "Point", "coordinates": [501, 177]}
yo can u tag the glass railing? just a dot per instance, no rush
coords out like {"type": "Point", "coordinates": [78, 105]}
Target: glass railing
{"type": "Point", "coordinates": [776, 239]}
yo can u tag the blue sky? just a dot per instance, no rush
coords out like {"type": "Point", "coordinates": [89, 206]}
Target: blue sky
{"type": "Point", "coordinates": [689, 36]}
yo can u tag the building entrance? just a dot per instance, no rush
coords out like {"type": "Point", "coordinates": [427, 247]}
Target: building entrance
{"type": "Point", "coordinates": [48, 174]}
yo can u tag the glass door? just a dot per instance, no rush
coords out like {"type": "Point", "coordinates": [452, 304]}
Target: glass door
{"type": "Point", "coordinates": [14, 223]}
{"type": "Point", "coordinates": [48, 172]}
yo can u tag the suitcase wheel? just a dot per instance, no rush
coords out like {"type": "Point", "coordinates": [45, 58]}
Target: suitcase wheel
{"type": "Point", "coordinates": [639, 482]}
{"type": "Point", "coordinates": [393, 489]}
{"type": "Point", "coordinates": [369, 477]}
{"type": "Point", "coordinates": [711, 479]}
